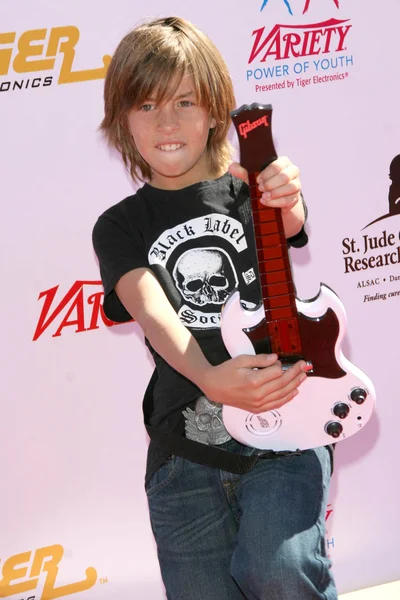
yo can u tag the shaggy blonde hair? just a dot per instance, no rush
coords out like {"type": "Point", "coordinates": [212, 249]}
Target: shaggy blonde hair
{"type": "Point", "coordinates": [150, 61]}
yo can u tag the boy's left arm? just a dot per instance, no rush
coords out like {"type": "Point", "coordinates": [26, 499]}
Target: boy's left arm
{"type": "Point", "coordinates": [281, 188]}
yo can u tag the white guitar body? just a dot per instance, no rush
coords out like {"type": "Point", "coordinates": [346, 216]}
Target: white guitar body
{"type": "Point", "coordinates": [302, 423]}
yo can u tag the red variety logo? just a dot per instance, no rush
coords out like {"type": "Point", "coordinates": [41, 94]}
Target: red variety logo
{"type": "Point", "coordinates": [83, 314]}
{"type": "Point", "coordinates": [294, 41]}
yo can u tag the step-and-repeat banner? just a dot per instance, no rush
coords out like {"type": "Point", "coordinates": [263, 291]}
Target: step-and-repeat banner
{"type": "Point", "coordinates": [73, 512]}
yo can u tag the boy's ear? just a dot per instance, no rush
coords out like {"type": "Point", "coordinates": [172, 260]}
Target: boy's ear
{"type": "Point", "coordinates": [213, 123]}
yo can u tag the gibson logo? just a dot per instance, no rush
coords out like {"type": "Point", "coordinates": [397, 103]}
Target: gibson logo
{"type": "Point", "coordinates": [294, 41]}
{"type": "Point", "coordinates": [244, 128]}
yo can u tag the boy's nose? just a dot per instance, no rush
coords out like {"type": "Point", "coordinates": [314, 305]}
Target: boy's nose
{"type": "Point", "coordinates": [168, 121]}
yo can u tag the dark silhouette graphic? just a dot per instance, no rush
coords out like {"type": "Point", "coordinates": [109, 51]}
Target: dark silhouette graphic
{"type": "Point", "coordinates": [394, 191]}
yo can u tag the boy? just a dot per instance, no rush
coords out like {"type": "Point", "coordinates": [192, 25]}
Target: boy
{"type": "Point", "coordinates": [169, 257]}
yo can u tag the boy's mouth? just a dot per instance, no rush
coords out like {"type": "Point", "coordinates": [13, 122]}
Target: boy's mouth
{"type": "Point", "coordinates": [170, 147]}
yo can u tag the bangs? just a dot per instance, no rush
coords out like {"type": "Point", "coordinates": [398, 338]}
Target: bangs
{"type": "Point", "coordinates": [159, 87]}
{"type": "Point", "coordinates": [163, 70]}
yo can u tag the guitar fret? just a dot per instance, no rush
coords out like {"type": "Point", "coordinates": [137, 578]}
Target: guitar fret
{"type": "Point", "coordinates": [278, 264]}
{"type": "Point", "coordinates": [262, 216]}
{"type": "Point", "coordinates": [270, 253]}
{"type": "Point", "coordinates": [276, 314]}
{"type": "Point", "coordinates": [269, 241]}
{"type": "Point", "coordinates": [266, 238]}
{"type": "Point", "coordinates": [278, 289]}
{"type": "Point", "coordinates": [262, 228]}
{"type": "Point", "coordinates": [271, 302]}
{"type": "Point", "coordinates": [283, 276]}
{"type": "Point", "coordinates": [267, 215]}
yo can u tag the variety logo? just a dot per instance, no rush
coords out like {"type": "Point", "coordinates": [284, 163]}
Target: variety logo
{"type": "Point", "coordinates": [80, 308]}
{"type": "Point", "coordinates": [297, 55]}
{"type": "Point", "coordinates": [284, 42]}
{"type": "Point", "coordinates": [35, 52]}
{"type": "Point", "coordinates": [379, 249]}
{"type": "Point", "coordinates": [22, 573]}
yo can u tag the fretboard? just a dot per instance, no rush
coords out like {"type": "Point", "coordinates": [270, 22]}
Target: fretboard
{"type": "Point", "coordinates": [278, 290]}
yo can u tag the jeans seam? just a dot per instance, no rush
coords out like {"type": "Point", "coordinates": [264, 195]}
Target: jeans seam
{"type": "Point", "coordinates": [321, 533]}
{"type": "Point", "coordinates": [229, 490]}
{"type": "Point", "coordinates": [321, 562]}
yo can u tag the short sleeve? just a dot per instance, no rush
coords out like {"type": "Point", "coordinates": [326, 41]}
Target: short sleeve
{"type": "Point", "coordinates": [119, 249]}
{"type": "Point", "coordinates": [301, 238]}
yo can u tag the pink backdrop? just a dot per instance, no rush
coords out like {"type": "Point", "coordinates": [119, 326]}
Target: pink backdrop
{"type": "Point", "coordinates": [71, 436]}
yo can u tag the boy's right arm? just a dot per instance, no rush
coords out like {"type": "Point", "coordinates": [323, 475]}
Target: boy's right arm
{"type": "Point", "coordinates": [251, 382]}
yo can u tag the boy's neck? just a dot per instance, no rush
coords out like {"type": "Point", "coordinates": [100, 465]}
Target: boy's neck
{"type": "Point", "coordinates": [175, 185]}
{"type": "Point", "coordinates": [198, 173]}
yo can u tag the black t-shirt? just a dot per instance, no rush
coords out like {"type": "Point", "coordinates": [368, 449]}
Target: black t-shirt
{"type": "Point", "coordinates": [195, 244]}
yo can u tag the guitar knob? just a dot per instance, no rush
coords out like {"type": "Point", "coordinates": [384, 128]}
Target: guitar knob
{"type": "Point", "coordinates": [341, 410]}
{"type": "Point", "coordinates": [358, 395]}
{"type": "Point", "coordinates": [334, 429]}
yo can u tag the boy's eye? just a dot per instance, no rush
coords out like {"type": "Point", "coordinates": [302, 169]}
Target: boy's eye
{"type": "Point", "coordinates": [185, 103]}
{"type": "Point", "coordinates": [146, 107]}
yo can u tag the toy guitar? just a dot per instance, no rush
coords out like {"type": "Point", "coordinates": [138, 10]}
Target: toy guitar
{"type": "Point", "coordinates": [337, 399]}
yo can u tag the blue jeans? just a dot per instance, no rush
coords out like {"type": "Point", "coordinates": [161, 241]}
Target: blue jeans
{"type": "Point", "coordinates": [257, 536]}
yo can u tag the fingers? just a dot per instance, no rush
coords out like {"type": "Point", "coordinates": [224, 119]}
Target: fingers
{"type": "Point", "coordinates": [280, 184]}
{"type": "Point", "coordinates": [238, 171]}
{"type": "Point", "coordinates": [286, 202]}
{"type": "Point", "coordinates": [269, 181]}
{"type": "Point", "coordinates": [284, 391]}
{"type": "Point", "coordinates": [256, 361]}
{"type": "Point", "coordinates": [276, 381]}
{"type": "Point", "coordinates": [271, 405]}
{"type": "Point", "coordinates": [256, 383]}
{"type": "Point", "coordinates": [287, 180]}
{"type": "Point", "coordinates": [276, 168]}
{"type": "Point", "coordinates": [279, 388]}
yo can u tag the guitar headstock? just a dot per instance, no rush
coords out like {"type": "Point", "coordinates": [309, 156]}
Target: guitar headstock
{"type": "Point", "coordinates": [253, 127]}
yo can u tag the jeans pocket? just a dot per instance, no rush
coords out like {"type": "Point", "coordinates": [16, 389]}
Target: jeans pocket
{"type": "Point", "coordinates": [164, 475]}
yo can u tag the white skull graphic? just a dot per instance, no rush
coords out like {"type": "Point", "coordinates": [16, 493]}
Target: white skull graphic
{"type": "Point", "coordinates": [205, 276]}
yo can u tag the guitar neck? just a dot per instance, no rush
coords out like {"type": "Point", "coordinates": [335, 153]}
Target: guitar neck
{"type": "Point", "coordinates": [276, 281]}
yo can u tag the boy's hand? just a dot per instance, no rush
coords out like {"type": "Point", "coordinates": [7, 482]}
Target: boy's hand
{"type": "Point", "coordinates": [279, 183]}
{"type": "Point", "coordinates": [253, 382]}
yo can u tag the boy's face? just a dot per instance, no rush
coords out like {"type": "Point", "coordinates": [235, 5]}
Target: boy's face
{"type": "Point", "coordinates": [172, 138]}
